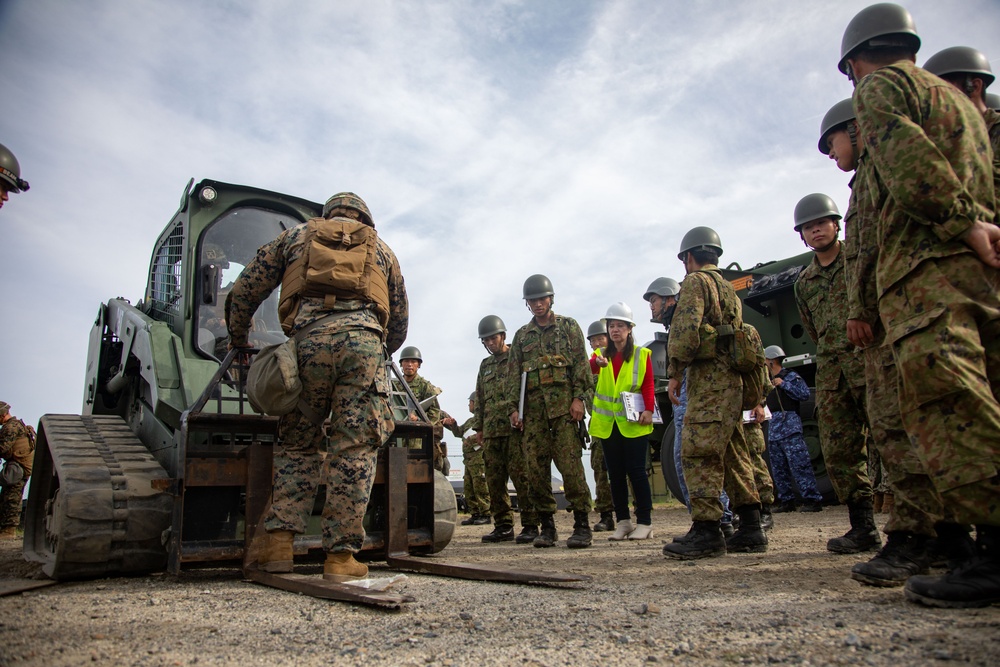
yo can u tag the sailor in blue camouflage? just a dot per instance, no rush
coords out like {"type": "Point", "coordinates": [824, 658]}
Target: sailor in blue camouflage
{"type": "Point", "coordinates": [341, 366]}
{"type": "Point", "coordinates": [791, 465]}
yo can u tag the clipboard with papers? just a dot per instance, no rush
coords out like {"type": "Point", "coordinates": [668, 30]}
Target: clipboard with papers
{"type": "Point", "coordinates": [635, 406]}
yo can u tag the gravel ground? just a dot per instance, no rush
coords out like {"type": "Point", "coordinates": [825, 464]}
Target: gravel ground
{"type": "Point", "coordinates": [795, 604]}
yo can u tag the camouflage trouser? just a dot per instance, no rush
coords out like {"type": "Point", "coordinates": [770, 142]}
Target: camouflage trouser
{"type": "Point", "coordinates": [504, 459]}
{"type": "Point", "coordinates": [876, 470]}
{"type": "Point", "coordinates": [554, 440]}
{"type": "Point", "coordinates": [842, 420]}
{"type": "Point", "coordinates": [10, 504]}
{"type": "Point", "coordinates": [918, 505]}
{"type": "Point", "coordinates": [794, 476]}
{"type": "Point", "coordinates": [477, 494]}
{"type": "Point", "coordinates": [603, 502]}
{"type": "Point", "coordinates": [754, 435]}
{"type": "Point", "coordinates": [943, 320]}
{"type": "Point", "coordinates": [339, 371]}
{"type": "Point", "coordinates": [714, 451]}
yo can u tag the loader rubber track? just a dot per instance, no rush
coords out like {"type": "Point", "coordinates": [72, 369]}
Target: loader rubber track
{"type": "Point", "coordinates": [95, 511]}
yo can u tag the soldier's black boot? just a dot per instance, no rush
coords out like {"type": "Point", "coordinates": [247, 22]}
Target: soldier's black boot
{"type": "Point", "coordinates": [904, 555]}
{"type": "Point", "coordinates": [527, 535]}
{"type": "Point", "coordinates": [704, 540]}
{"type": "Point", "coordinates": [607, 522]}
{"type": "Point", "coordinates": [480, 519]}
{"type": "Point", "coordinates": [863, 535]}
{"type": "Point", "coordinates": [501, 533]}
{"type": "Point", "coordinates": [547, 536]}
{"type": "Point", "coordinates": [750, 538]}
{"type": "Point", "coordinates": [581, 537]}
{"type": "Point", "coordinates": [973, 582]}
{"type": "Point", "coordinates": [766, 518]}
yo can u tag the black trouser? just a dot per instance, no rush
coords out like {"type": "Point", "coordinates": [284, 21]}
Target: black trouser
{"type": "Point", "coordinates": [625, 459]}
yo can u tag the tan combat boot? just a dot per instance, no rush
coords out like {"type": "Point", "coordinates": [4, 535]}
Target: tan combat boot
{"type": "Point", "coordinates": [341, 566]}
{"type": "Point", "coordinates": [277, 555]}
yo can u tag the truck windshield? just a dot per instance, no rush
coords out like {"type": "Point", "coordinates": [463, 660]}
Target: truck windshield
{"type": "Point", "coordinates": [226, 248]}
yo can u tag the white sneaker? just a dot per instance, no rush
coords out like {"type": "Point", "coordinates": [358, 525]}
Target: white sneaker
{"type": "Point", "coordinates": [622, 531]}
{"type": "Point", "coordinates": [643, 531]}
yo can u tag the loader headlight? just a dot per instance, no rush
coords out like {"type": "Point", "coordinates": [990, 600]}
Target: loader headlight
{"type": "Point", "coordinates": [207, 196]}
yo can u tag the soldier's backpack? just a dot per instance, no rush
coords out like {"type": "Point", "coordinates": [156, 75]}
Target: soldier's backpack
{"type": "Point", "coordinates": [740, 344]}
{"type": "Point", "coordinates": [338, 261]}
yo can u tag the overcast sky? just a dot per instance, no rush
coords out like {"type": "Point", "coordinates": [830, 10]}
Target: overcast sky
{"type": "Point", "coordinates": [491, 140]}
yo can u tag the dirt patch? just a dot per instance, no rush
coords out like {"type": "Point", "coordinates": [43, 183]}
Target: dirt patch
{"type": "Point", "coordinates": [795, 604]}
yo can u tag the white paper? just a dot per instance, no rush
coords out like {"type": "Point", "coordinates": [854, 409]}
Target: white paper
{"type": "Point", "coordinates": [635, 406]}
{"type": "Point", "coordinates": [748, 415]}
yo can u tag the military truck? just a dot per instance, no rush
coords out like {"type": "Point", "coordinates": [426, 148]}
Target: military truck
{"type": "Point", "coordinates": [768, 295]}
{"type": "Point", "coordinates": [168, 465]}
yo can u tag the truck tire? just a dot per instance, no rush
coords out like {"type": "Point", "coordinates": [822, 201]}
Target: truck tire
{"type": "Point", "coordinates": [92, 509]}
{"type": "Point", "coordinates": [667, 462]}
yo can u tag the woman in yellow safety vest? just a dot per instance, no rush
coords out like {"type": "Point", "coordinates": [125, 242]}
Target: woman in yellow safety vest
{"type": "Point", "coordinates": [621, 423]}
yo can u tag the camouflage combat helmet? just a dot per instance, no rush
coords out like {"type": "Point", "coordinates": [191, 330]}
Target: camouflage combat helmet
{"type": "Point", "coordinates": [960, 60]}
{"type": "Point", "coordinates": [774, 352]}
{"type": "Point", "coordinates": [597, 328]}
{"type": "Point", "coordinates": [662, 287]}
{"type": "Point", "coordinates": [839, 114]}
{"type": "Point", "coordinates": [410, 352]}
{"type": "Point", "coordinates": [10, 171]}
{"type": "Point", "coordinates": [884, 25]}
{"type": "Point", "coordinates": [490, 326]}
{"type": "Point", "coordinates": [815, 207]}
{"type": "Point", "coordinates": [700, 238]}
{"type": "Point", "coordinates": [537, 286]}
{"type": "Point", "coordinates": [349, 200]}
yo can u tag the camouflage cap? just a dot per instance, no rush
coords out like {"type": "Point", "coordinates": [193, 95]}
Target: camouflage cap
{"type": "Point", "coordinates": [4, 408]}
{"type": "Point", "coordinates": [348, 200]}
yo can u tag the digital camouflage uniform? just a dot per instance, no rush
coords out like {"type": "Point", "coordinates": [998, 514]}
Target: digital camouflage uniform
{"type": "Point", "coordinates": [503, 454]}
{"type": "Point", "coordinates": [341, 365]}
{"type": "Point", "coordinates": [939, 303]}
{"type": "Point", "coordinates": [917, 504]}
{"type": "Point", "coordinates": [790, 460]}
{"type": "Point", "coordinates": [15, 445]}
{"type": "Point", "coordinates": [821, 295]}
{"type": "Point", "coordinates": [477, 494]}
{"type": "Point", "coordinates": [714, 452]}
{"type": "Point", "coordinates": [992, 118]}
{"type": "Point", "coordinates": [555, 359]}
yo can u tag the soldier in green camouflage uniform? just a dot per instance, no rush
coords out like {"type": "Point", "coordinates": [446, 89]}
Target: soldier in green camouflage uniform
{"type": "Point", "coordinates": [917, 506]}
{"type": "Point", "coordinates": [969, 70]}
{"type": "Point", "coordinates": [753, 431]}
{"type": "Point", "coordinates": [938, 279]}
{"type": "Point", "coordinates": [410, 360]}
{"type": "Point", "coordinates": [551, 352]}
{"type": "Point", "coordinates": [821, 295]}
{"type": "Point", "coordinates": [714, 451]}
{"type": "Point", "coordinates": [597, 337]}
{"type": "Point", "coordinates": [477, 494]}
{"type": "Point", "coordinates": [503, 453]}
{"type": "Point", "coordinates": [17, 445]}
{"type": "Point", "coordinates": [342, 369]}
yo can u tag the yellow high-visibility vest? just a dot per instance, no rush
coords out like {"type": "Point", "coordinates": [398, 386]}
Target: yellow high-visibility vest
{"type": "Point", "coordinates": [608, 408]}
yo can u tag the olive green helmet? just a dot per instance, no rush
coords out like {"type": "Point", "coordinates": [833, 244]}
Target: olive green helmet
{"type": "Point", "coordinates": [349, 200]}
{"type": "Point", "coordinates": [410, 352]}
{"type": "Point", "coordinates": [839, 114]}
{"type": "Point", "coordinates": [662, 287]}
{"type": "Point", "coordinates": [537, 286]}
{"type": "Point", "coordinates": [878, 26]}
{"type": "Point", "coordinates": [597, 328]}
{"type": "Point", "coordinates": [993, 101]}
{"type": "Point", "coordinates": [700, 238]}
{"type": "Point", "coordinates": [10, 171]}
{"type": "Point", "coordinates": [960, 60]}
{"type": "Point", "coordinates": [491, 325]}
{"type": "Point", "coordinates": [815, 207]}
